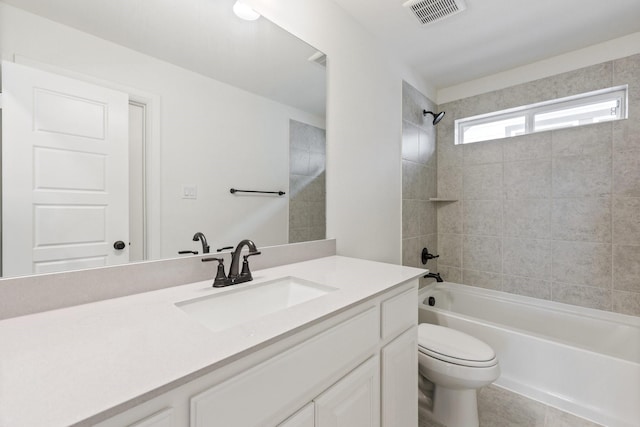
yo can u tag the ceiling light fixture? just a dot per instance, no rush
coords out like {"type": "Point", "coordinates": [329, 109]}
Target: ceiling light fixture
{"type": "Point", "coordinates": [244, 11]}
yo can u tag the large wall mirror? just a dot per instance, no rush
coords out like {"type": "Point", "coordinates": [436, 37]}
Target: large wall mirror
{"type": "Point", "coordinates": [125, 124]}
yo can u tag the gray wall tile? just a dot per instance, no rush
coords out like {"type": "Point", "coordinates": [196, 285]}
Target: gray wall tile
{"type": "Point", "coordinates": [297, 235]}
{"type": "Point", "coordinates": [583, 80]}
{"type": "Point", "coordinates": [419, 175]}
{"type": "Point", "coordinates": [527, 286]}
{"type": "Point", "coordinates": [527, 257]}
{"type": "Point", "coordinates": [626, 133]}
{"type": "Point", "coordinates": [482, 182]}
{"type": "Point", "coordinates": [427, 149]}
{"type": "Point", "coordinates": [626, 173]}
{"type": "Point", "coordinates": [626, 268]}
{"type": "Point", "coordinates": [482, 253]}
{"type": "Point", "coordinates": [410, 142]}
{"type": "Point", "coordinates": [307, 189]}
{"type": "Point", "coordinates": [449, 217]}
{"type": "Point", "coordinates": [450, 182]}
{"type": "Point", "coordinates": [527, 218]}
{"type": "Point", "coordinates": [482, 217]}
{"type": "Point", "coordinates": [583, 140]}
{"type": "Point", "coordinates": [428, 220]}
{"type": "Point", "coordinates": [585, 219]}
{"type": "Point", "coordinates": [482, 152]}
{"type": "Point", "coordinates": [298, 161]}
{"type": "Point", "coordinates": [529, 179]}
{"type": "Point", "coordinates": [534, 146]}
{"type": "Point", "coordinates": [450, 249]}
{"type": "Point", "coordinates": [482, 279]}
{"type": "Point", "coordinates": [626, 220]}
{"type": "Point", "coordinates": [411, 177]}
{"type": "Point", "coordinates": [449, 273]}
{"type": "Point", "coordinates": [428, 183]}
{"type": "Point", "coordinates": [584, 296]}
{"type": "Point", "coordinates": [299, 214]}
{"type": "Point", "coordinates": [626, 303]}
{"type": "Point", "coordinates": [410, 218]}
{"type": "Point", "coordinates": [584, 208]}
{"type": "Point", "coordinates": [581, 176]}
{"type": "Point", "coordinates": [413, 102]}
{"type": "Point", "coordinates": [410, 251]}
{"type": "Point", "coordinates": [582, 263]}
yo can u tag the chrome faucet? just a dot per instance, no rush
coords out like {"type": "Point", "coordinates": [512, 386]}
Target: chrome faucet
{"type": "Point", "coordinates": [234, 277]}
{"type": "Point", "coordinates": [205, 246]}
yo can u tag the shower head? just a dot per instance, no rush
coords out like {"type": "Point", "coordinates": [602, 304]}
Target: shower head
{"type": "Point", "coordinates": [436, 116]}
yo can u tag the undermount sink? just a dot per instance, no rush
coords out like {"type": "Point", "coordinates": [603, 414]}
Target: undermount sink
{"type": "Point", "coordinates": [234, 307]}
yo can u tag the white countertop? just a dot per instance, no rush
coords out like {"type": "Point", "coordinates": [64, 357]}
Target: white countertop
{"type": "Point", "coordinates": [61, 367]}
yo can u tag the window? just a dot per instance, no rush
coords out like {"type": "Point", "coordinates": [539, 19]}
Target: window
{"type": "Point", "coordinates": [591, 107]}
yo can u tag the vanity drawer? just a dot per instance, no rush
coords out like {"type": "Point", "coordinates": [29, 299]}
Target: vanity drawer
{"type": "Point", "coordinates": [400, 312]}
{"type": "Point", "coordinates": [266, 390]}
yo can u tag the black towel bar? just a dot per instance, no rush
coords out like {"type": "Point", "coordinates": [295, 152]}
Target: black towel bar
{"type": "Point", "coordinates": [279, 193]}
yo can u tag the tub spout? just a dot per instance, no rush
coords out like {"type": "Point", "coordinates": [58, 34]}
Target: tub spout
{"type": "Point", "coordinates": [434, 276]}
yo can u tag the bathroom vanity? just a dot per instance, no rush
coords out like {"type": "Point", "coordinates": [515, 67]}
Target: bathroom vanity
{"type": "Point", "coordinates": [330, 341]}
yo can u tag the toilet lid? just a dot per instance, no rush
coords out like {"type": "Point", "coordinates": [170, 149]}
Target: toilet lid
{"type": "Point", "coordinates": [454, 346]}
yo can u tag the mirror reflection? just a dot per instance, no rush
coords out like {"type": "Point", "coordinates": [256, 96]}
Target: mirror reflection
{"type": "Point", "coordinates": [126, 124]}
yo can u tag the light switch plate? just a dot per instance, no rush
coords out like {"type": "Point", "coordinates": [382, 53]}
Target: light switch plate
{"type": "Point", "coordinates": [189, 191]}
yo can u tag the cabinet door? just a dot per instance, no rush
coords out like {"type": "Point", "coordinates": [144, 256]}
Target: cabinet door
{"type": "Point", "coordinates": [303, 418]}
{"type": "Point", "coordinates": [161, 419]}
{"type": "Point", "coordinates": [353, 401]}
{"type": "Point", "coordinates": [400, 381]}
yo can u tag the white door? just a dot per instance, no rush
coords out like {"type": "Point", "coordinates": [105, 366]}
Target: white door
{"type": "Point", "coordinates": [354, 401]}
{"type": "Point", "coordinates": [64, 173]}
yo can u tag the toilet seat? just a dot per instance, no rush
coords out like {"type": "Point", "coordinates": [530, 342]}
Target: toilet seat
{"type": "Point", "coordinates": [452, 346]}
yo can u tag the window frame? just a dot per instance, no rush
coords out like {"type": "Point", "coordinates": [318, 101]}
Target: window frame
{"type": "Point", "coordinates": [618, 93]}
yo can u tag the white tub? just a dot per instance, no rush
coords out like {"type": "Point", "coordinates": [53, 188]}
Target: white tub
{"type": "Point", "coordinates": [579, 360]}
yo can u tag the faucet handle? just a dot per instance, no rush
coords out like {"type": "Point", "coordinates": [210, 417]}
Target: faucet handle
{"type": "Point", "coordinates": [224, 249]}
{"type": "Point", "coordinates": [221, 278]}
{"type": "Point", "coordinates": [245, 265]}
{"type": "Point", "coordinates": [426, 256]}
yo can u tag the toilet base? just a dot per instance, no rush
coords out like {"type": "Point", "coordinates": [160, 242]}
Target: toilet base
{"type": "Point", "coordinates": [455, 408]}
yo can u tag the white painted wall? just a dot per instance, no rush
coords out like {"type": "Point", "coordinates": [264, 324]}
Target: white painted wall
{"type": "Point", "coordinates": [206, 126]}
{"type": "Point", "coordinates": [364, 126]}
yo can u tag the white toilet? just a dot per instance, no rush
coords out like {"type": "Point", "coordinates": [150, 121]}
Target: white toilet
{"type": "Point", "coordinates": [457, 364]}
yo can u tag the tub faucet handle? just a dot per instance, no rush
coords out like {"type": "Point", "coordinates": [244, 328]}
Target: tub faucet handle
{"type": "Point", "coordinates": [426, 256]}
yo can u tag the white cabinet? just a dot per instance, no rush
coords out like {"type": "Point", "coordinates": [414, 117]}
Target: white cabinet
{"type": "Point", "coordinates": [259, 394]}
{"type": "Point", "coordinates": [357, 368]}
{"type": "Point", "coordinates": [161, 419]}
{"type": "Point", "coordinates": [353, 401]}
{"type": "Point", "coordinates": [400, 381]}
{"type": "Point", "coordinates": [305, 417]}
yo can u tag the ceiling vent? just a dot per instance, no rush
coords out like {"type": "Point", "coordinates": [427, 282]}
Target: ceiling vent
{"type": "Point", "coordinates": [428, 11]}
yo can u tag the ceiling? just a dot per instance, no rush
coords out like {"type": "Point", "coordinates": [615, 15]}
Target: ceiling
{"type": "Point", "coordinates": [202, 36]}
{"type": "Point", "coordinates": [492, 35]}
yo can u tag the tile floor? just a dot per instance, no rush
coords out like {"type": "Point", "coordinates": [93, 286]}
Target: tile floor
{"type": "Point", "coordinates": [498, 407]}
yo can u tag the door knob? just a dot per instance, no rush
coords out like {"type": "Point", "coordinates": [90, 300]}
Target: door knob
{"type": "Point", "coordinates": [119, 245]}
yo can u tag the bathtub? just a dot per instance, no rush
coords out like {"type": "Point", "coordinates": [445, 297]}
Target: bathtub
{"type": "Point", "coordinates": [580, 360]}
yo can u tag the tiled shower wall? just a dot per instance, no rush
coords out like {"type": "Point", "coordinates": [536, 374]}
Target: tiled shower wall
{"type": "Point", "coordinates": [418, 179]}
{"type": "Point", "coordinates": [307, 198]}
{"type": "Point", "coordinates": [553, 215]}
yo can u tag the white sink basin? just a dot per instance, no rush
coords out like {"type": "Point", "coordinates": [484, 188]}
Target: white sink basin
{"type": "Point", "coordinates": [237, 306]}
